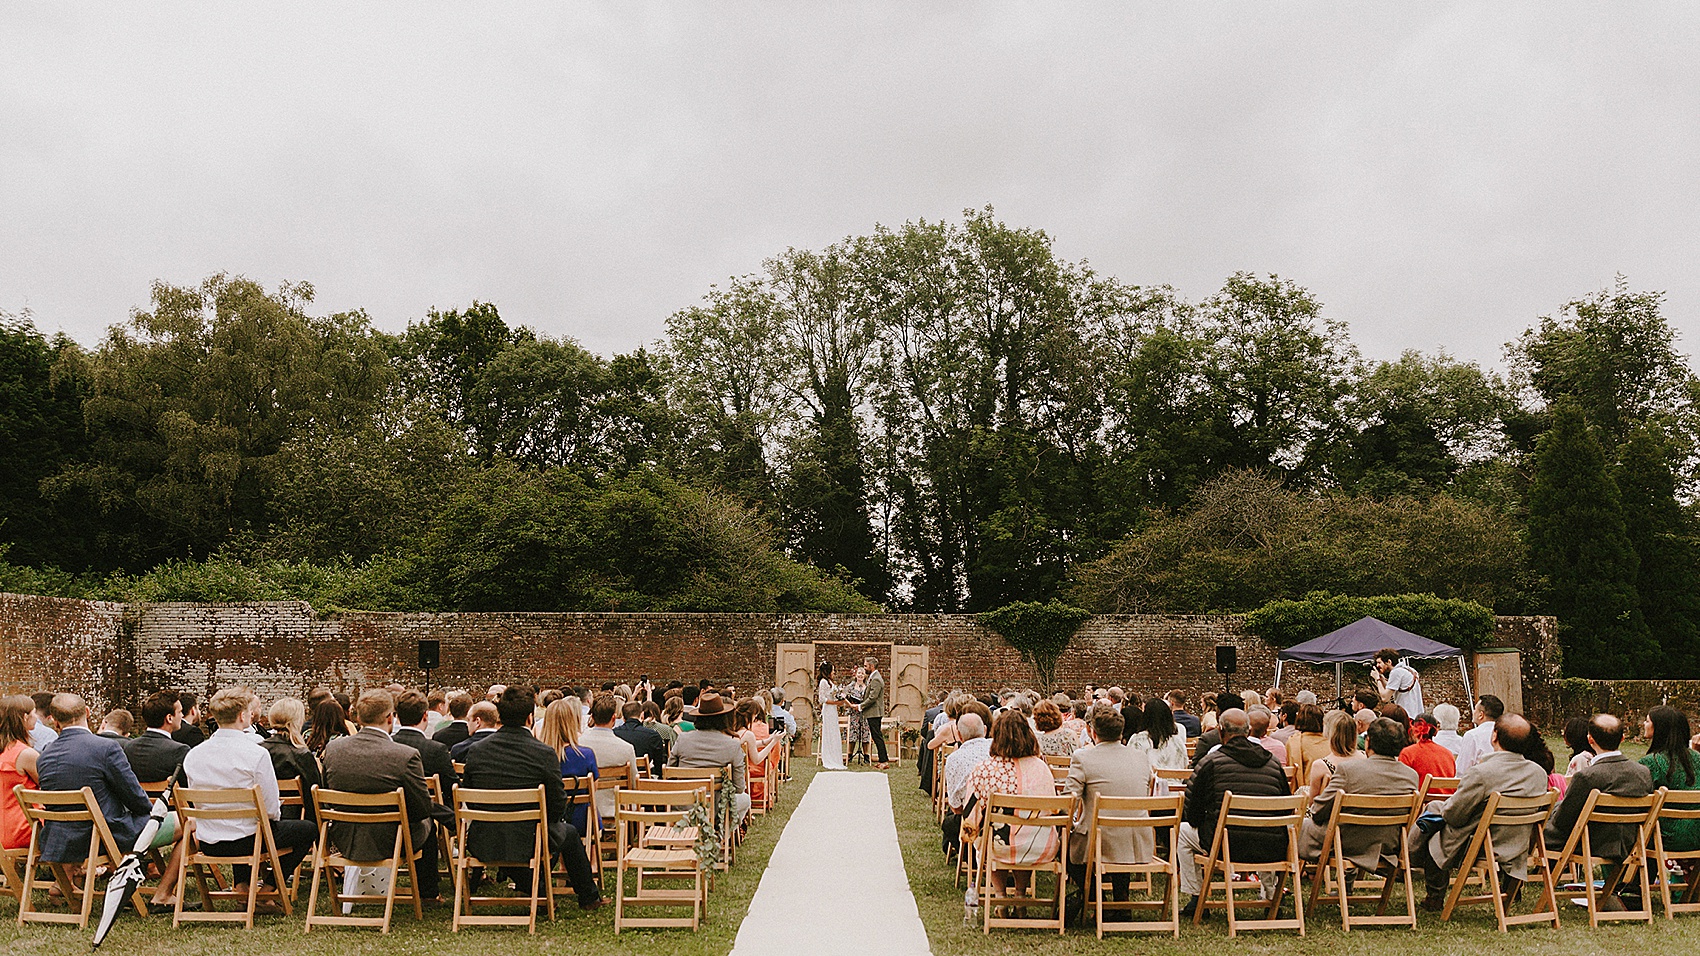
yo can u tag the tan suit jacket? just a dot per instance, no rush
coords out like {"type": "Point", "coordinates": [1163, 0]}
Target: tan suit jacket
{"type": "Point", "coordinates": [1109, 769]}
{"type": "Point", "coordinates": [1364, 846]}
{"type": "Point", "coordinates": [1497, 772]}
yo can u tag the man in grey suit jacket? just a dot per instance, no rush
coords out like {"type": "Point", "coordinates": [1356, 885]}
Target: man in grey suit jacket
{"type": "Point", "coordinates": [1108, 768]}
{"type": "Point", "coordinates": [1379, 773]}
{"type": "Point", "coordinates": [1611, 773]}
{"type": "Point", "coordinates": [1507, 770]}
{"type": "Point", "coordinates": [873, 709]}
{"type": "Point", "coordinates": [370, 762]}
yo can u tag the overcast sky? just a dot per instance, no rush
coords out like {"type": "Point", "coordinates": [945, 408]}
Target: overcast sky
{"type": "Point", "coordinates": [1438, 174]}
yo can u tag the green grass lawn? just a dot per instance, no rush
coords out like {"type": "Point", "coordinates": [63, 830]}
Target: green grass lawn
{"type": "Point", "coordinates": [940, 903]}
{"type": "Point", "coordinates": [573, 932]}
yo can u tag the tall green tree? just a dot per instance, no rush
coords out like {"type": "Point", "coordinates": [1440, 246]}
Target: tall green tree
{"type": "Point", "coordinates": [1579, 541]}
{"type": "Point", "coordinates": [41, 430]}
{"type": "Point", "coordinates": [1663, 536]}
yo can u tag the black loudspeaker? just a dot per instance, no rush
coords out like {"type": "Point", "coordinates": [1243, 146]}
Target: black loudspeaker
{"type": "Point", "coordinates": [428, 654]}
{"type": "Point", "coordinates": [1227, 658]}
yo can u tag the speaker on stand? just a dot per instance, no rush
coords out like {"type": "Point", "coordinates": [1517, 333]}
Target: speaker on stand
{"type": "Point", "coordinates": [430, 652]}
{"type": "Point", "coordinates": [1227, 662]}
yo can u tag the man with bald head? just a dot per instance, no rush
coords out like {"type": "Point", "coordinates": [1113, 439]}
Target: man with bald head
{"type": "Point", "coordinates": [1246, 768]}
{"type": "Point", "coordinates": [1612, 774]}
{"type": "Point", "coordinates": [1506, 769]}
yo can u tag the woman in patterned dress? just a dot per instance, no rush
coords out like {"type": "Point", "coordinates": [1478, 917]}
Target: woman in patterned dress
{"type": "Point", "coordinates": [1014, 767]}
{"type": "Point", "coordinates": [858, 736]}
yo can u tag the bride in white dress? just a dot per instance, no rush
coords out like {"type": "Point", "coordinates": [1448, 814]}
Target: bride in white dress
{"type": "Point", "coordinates": [829, 697]}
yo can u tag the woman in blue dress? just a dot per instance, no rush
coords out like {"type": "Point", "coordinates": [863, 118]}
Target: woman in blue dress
{"type": "Point", "coordinates": [562, 722]}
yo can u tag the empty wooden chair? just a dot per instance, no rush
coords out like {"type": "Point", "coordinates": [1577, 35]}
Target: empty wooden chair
{"type": "Point", "coordinates": [1246, 812]}
{"type": "Point", "coordinates": [581, 795]}
{"type": "Point", "coordinates": [362, 809]}
{"type": "Point", "coordinates": [1334, 870]}
{"type": "Point", "coordinates": [1579, 851]}
{"type": "Point", "coordinates": [640, 812]}
{"type": "Point", "coordinates": [1677, 805]}
{"type": "Point", "coordinates": [494, 807]}
{"type": "Point", "coordinates": [70, 807]}
{"type": "Point", "coordinates": [1160, 815]}
{"type": "Point", "coordinates": [1174, 781]}
{"type": "Point", "coordinates": [727, 826]}
{"type": "Point", "coordinates": [1481, 857]}
{"type": "Point", "coordinates": [1016, 812]}
{"type": "Point", "coordinates": [609, 781]}
{"type": "Point", "coordinates": [195, 806]}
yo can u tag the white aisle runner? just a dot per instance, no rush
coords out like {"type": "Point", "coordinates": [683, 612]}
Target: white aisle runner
{"type": "Point", "coordinates": [836, 883]}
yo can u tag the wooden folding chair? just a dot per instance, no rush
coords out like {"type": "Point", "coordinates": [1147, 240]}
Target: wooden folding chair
{"type": "Point", "coordinates": [1602, 808]}
{"type": "Point", "coordinates": [1008, 810]}
{"type": "Point", "coordinates": [642, 812]}
{"type": "Point", "coordinates": [1332, 867]}
{"type": "Point", "coordinates": [1191, 748]}
{"type": "Point", "coordinates": [11, 872]}
{"type": "Point", "coordinates": [608, 780]}
{"type": "Point", "coordinates": [66, 807]}
{"type": "Point", "coordinates": [1677, 805]}
{"type": "Point", "coordinates": [494, 807]}
{"type": "Point", "coordinates": [728, 827]}
{"type": "Point", "coordinates": [1263, 813]}
{"type": "Point", "coordinates": [1435, 788]}
{"type": "Point", "coordinates": [940, 805]}
{"type": "Point", "coordinates": [1175, 780]}
{"type": "Point", "coordinates": [643, 765]}
{"type": "Point", "coordinates": [362, 809]}
{"type": "Point", "coordinates": [1136, 813]}
{"type": "Point", "coordinates": [1480, 855]}
{"type": "Point", "coordinates": [195, 806]}
{"type": "Point", "coordinates": [581, 792]}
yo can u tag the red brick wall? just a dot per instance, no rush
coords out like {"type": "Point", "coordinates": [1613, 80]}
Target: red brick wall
{"type": "Point", "coordinates": [114, 655]}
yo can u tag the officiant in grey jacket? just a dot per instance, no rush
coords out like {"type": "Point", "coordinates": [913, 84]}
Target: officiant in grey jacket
{"type": "Point", "coordinates": [873, 708]}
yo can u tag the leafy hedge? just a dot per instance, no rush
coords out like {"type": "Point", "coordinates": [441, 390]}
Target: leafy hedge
{"type": "Point", "coordinates": [1463, 624]}
{"type": "Point", "coordinates": [1041, 632]}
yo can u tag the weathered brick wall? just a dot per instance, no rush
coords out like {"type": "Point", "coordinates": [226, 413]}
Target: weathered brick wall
{"type": "Point", "coordinates": [115, 655]}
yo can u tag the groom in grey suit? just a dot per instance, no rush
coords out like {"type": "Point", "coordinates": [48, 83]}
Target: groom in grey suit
{"type": "Point", "coordinates": [873, 708]}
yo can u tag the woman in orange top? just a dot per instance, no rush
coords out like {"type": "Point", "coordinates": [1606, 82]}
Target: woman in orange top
{"type": "Point", "coordinates": [747, 718]}
{"type": "Point", "coordinates": [17, 767]}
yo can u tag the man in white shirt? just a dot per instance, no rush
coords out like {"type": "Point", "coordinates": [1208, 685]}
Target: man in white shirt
{"type": "Point", "coordinates": [232, 758]}
{"type": "Point", "coordinates": [610, 750]}
{"type": "Point", "coordinates": [1448, 736]}
{"type": "Point", "coordinates": [779, 714]}
{"type": "Point", "coordinates": [1397, 681]}
{"type": "Point", "coordinates": [1477, 742]}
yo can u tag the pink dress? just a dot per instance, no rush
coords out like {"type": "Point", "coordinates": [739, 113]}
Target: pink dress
{"type": "Point", "coordinates": [14, 829]}
{"type": "Point", "coordinates": [1027, 777]}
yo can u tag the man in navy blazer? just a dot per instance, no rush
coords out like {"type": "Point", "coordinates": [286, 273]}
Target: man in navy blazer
{"type": "Point", "coordinates": [78, 759]}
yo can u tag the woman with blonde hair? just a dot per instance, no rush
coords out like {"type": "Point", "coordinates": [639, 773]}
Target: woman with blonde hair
{"type": "Point", "coordinates": [562, 724]}
{"type": "Point", "coordinates": [1341, 731]}
{"type": "Point", "coordinates": [17, 768]}
{"type": "Point", "coordinates": [1308, 744]}
{"type": "Point", "coordinates": [291, 760]}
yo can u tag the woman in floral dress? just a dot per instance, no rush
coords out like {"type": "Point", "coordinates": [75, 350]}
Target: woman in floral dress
{"type": "Point", "coordinates": [858, 736]}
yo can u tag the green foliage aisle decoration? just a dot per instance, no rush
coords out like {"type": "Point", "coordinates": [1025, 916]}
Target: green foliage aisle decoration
{"type": "Point", "coordinates": [1041, 632]}
{"type": "Point", "coordinates": [1463, 624]}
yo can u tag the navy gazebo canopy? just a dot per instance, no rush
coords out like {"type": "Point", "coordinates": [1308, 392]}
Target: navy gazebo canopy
{"type": "Point", "coordinates": [1357, 642]}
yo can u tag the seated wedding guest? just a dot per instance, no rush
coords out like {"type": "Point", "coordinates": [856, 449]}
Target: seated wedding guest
{"type": "Point", "coordinates": [1610, 773]}
{"type": "Point", "coordinates": [1054, 741]}
{"type": "Point", "coordinates": [746, 719]}
{"type": "Point", "coordinates": [562, 725]}
{"type": "Point", "coordinates": [483, 719]}
{"type": "Point", "coordinates": [329, 723]}
{"type": "Point", "coordinates": [1381, 772]}
{"type": "Point", "coordinates": [370, 762]}
{"type": "Point", "coordinates": [1673, 766]}
{"type": "Point", "coordinates": [156, 755]}
{"type": "Point", "coordinates": [654, 719]}
{"type": "Point", "coordinates": [1364, 717]}
{"type": "Point", "coordinates": [1245, 768]}
{"type": "Point", "coordinates": [1106, 768]}
{"type": "Point", "coordinates": [1177, 704]}
{"type": "Point", "coordinates": [1397, 714]}
{"type": "Point", "coordinates": [17, 768]}
{"type": "Point", "coordinates": [233, 759]}
{"type": "Point", "coordinates": [1426, 757]}
{"type": "Point", "coordinates": [1074, 716]}
{"type": "Point", "coordinates": [644, 740]}
{"type": "Point", "coordinates": [779, 714]}
{"type": "Point", "coordinates": [189, 728]}
{"type": "Point", "coordinates": [291, 760]}
{"type": "Point", "coordinates": [116, 724]}
{"type": "Point", "coordinates": [1447, 736]}
{"type": "Point", "coordinates": [1307, 743]}
{"type": "Point", "coordinates": [1478, 740]}
{"type": "Point", "coordinates": [947, 733]}
{"type": "Point", "coordinates": [436, 713]}
{"type": "Point", "coordinates": [959, 767]}
{"type": "Point", "coordinates": [1014, 766]}
{"type": "Point", "coordinates": [43, 733]}
{"type": "Point", "coordinates": [410, 718]}
{"type": "Point", "coordinates": [1133, 718]}
{"type": "Point", "coordinates": [1304, 697]}
{"type": "Point", "coordinates": [713, 744]}
{"type": "Point", "coordinates": [673, 715]}
{"type": "Point", "coordinates": [1260, 718]}
{"type": "Point", "coordinates": [514, 759]}
{"type": "Point", "coordinates": [455, 729]}
{"type": "Point", "coordinates": [1163, 741]}
{"type": "Point", "coordinates": [1365, 700]}
{"type": "Point", "coordinates": [610, 750]}
{"type": "Point", "coordinates": [1341, 732]}
{"type": "Point", "coordinates": [1504, 769]}
{"type": "Point", "coordinates": [1211, 717]}
{"type": "Point", "coordinates": [1284, 717]}
{"type": "Point", "coordinates": [1576, 738]}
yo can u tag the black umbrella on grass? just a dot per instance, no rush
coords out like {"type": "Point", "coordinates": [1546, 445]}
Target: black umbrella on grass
{"type": "Point", "coordinates": [131, 872]}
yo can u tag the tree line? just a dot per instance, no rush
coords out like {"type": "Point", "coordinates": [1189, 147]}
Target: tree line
{"type": "Point", "coordinates": [942, 416]}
